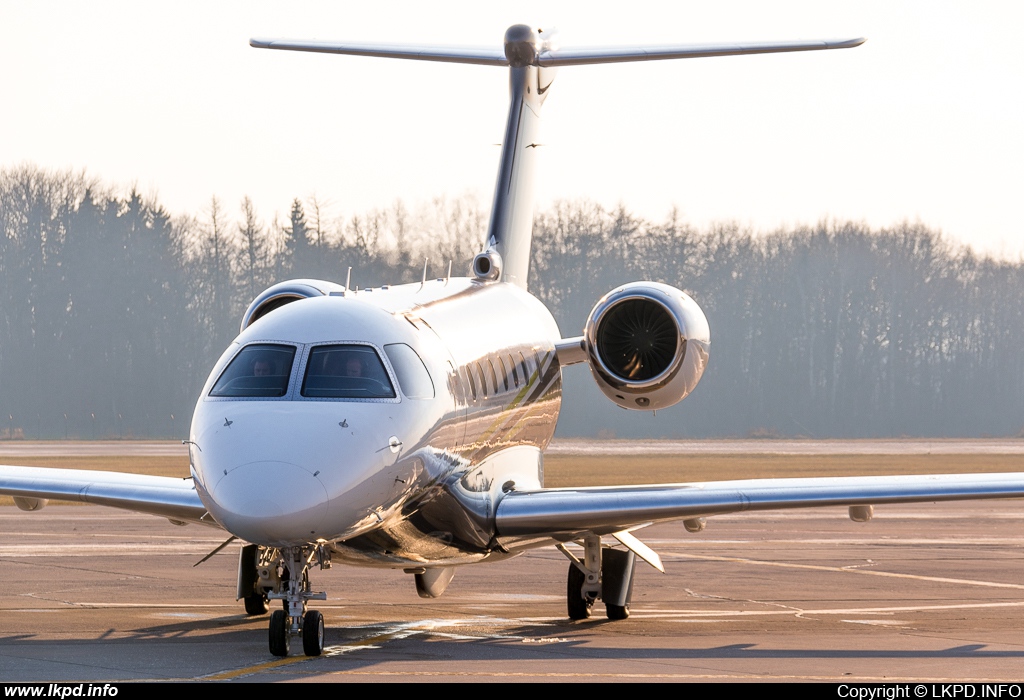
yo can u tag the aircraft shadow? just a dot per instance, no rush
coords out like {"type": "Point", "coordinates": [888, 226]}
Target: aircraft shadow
{"type": "Point", "coordinates": [366, 646]}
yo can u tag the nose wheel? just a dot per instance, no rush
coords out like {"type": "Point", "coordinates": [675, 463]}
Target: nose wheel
{"type": "Point", "coordinates": [293, 589]}
{"type": "Point", "coordinates": [313, 633]}
{"type": "Point", "coordinates": [280, 640]}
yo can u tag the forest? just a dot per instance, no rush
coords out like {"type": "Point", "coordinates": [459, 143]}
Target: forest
{"type": "Point", "coordinates": [113, 311]}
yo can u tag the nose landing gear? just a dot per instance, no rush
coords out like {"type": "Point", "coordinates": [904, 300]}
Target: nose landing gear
{"type": "Point", "coordinates": [288, 576]}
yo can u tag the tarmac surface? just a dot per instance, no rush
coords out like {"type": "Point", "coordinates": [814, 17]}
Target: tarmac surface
{"type": "Point", "coordinates": [923, 592]}
{"type": "Point", "coordinates": [11, 449]}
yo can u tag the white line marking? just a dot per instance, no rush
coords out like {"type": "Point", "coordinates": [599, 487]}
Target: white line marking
{"type": "Point", "coordinates": [860, 572]}
{"type": "Point", "coordinates": [642, 613]}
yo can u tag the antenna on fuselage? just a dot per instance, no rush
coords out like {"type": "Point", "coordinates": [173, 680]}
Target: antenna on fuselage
{"type": "Point", "coordinates": [348, 278]}
{"type": "Point", "coordinates": [449, 277]}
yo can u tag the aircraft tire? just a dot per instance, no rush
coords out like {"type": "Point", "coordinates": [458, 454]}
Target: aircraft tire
{"type": "Point", "coordinates": [617, 612]}
{"type": "Point", "coordinates": [578, 606]}
{"type": "Point", "coordinates": [279, 642]}
{"type": "Point", "coordinates": [313, 633]}
{"type": "Point", "coordinates": [256, 604]}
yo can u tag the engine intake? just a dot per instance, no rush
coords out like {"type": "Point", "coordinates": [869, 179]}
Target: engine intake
{"type": "Point", "coordinates": [637, 339]}
{"type": "Point", "coordinates": [648, 345]}
{"type": "Point", "coordinates": [282, 293]}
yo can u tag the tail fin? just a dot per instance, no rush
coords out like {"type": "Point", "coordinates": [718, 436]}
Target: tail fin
{"type": "Point", "coordinates": [532, 57]}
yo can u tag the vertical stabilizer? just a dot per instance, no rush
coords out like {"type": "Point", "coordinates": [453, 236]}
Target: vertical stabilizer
{"type": "Point", "coordinates": [510, 229]}
{"type": "Point", "coordinates": [532, 57]}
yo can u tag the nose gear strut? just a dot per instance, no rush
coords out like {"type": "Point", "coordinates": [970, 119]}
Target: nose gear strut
{"type": "Point", "coordinates": [290, 583]}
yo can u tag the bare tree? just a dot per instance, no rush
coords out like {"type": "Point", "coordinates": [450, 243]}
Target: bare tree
{"type": "Point", "coordinates": [253, 252]}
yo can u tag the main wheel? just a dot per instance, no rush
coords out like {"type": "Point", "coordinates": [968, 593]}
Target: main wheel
{"type": "Point", "coordinates": [255, 597]}
{"type": "Point", "coordinates": [313, 633]}
{"type": "Point", "coordinates": [578, 605]}
{"type": "Point", "coordinates": [616, 612]}
{"type": "Point", "coordinates": [279, 642]}
{"type": "Point", "coordinates": [256, 604]}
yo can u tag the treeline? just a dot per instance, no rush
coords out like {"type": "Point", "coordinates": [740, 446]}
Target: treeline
{"type": "Point", "coordinates": [834, 330]}
{"type": "Point", "coordinates": [112, 311]}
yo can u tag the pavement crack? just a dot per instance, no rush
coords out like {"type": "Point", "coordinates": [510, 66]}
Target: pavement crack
{"type": "Point", "coordinates": [706, 596]}
{"type": "Point", "coordinates": [799, 612]}
{"type": "Point", "coordinates": [867, 564]}
{"type": "Point", "coordinates": [36, 596]}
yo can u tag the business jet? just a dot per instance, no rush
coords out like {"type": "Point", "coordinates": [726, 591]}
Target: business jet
{"type": "Point", "coordinates": [404, 426]}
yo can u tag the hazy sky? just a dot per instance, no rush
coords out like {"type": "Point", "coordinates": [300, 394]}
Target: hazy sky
{"type": "Point", "coordinates": [924, 122]}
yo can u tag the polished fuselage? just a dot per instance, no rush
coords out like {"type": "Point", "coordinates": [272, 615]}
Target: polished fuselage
{"type": "Point", "coordinates": [388, 481]}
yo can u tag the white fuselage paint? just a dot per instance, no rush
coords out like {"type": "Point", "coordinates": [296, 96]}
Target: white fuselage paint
{"type": "Point", "coordinates": [390, 481]}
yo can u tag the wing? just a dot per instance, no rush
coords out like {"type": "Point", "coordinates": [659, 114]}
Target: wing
{"type": "Point", "coordinates": [175, 499]}
{"type": "Point", "coordinates": [563, 513]}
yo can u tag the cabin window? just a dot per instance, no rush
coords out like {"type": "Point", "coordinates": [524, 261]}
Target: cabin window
{"type": "Point", "coordinates": [526, 371]}
{"type": "Point", "coordinates": [480, 376]}
{"type": "Point", "coordinates": [515, 372]}
{"type": "Point", "coordinates": [472, 382]}
{"type": "Point", "coordinates": [258, 371]}
{"type": "Point", "coordinates": [504, 372]}
{"type": "Point", "coordinates": [346, 372]}
{"type": "Point", "coordinates": [494, 376]}
{"type": "Point", "coordinates": [413, 377]}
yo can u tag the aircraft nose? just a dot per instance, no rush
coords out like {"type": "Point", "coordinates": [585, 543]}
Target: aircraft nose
{"type": "Point", "coordinates": [268, 502]}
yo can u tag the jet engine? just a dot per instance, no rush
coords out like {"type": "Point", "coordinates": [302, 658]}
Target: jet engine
{"type": "Point", "coordinates": [283, 293]}
{"type": "Point", "coordinates": [647, 345]}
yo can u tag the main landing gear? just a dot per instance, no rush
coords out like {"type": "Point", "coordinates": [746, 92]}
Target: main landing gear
{"type": "Point", "coordinates": [267, 573]}
{"type": "Point", "coordinates": [603, 573]}
{"type": "Point", "coordinates": [249, 590]}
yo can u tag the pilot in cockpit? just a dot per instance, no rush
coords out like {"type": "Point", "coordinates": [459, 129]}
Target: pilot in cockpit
{"type": "Point", "coordinates": [262, 366]}
{"type": "Point", "coordinates": [354, 366]}
{"type": "Point", "coordinates": [344, 364]}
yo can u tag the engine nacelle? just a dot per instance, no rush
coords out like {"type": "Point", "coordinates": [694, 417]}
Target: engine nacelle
{"type": "Point", "coordinates": [647, 345]}
{"type": "Point", "coordinates": [284, 293]}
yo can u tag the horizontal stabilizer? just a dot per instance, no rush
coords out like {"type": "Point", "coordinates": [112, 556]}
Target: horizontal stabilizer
{"type": "Point", "coordinates": [584, 56]}
{"type": "Point", "coordinates": [165, 496]}
{"type": "Point", "coordinates": [550, 58]}
{"type": "Point", "coordinates": [607, 509]}
{"type": "Point", "coordinates": [445, 54]}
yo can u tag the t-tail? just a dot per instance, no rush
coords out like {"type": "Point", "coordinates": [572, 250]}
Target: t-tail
{"type": "Point", "coordinates": [532, 56]}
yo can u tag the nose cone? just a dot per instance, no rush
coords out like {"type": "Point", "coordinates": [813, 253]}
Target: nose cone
{"type": "Point", "coordinates": [275, 503]}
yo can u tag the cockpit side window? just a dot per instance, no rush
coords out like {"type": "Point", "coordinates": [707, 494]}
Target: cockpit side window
{"type": "Point", "coordinates": [413, 377]}
{"type": "Point", "coordinates": [257, 371]}
{"type": "Point", "coordinates": [346, 372]}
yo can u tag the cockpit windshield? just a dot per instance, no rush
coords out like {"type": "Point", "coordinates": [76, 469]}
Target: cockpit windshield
{"type": "Point", "coordinates": [346, 372]}
{"type": "Point", "coordinates": [257, 371]}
